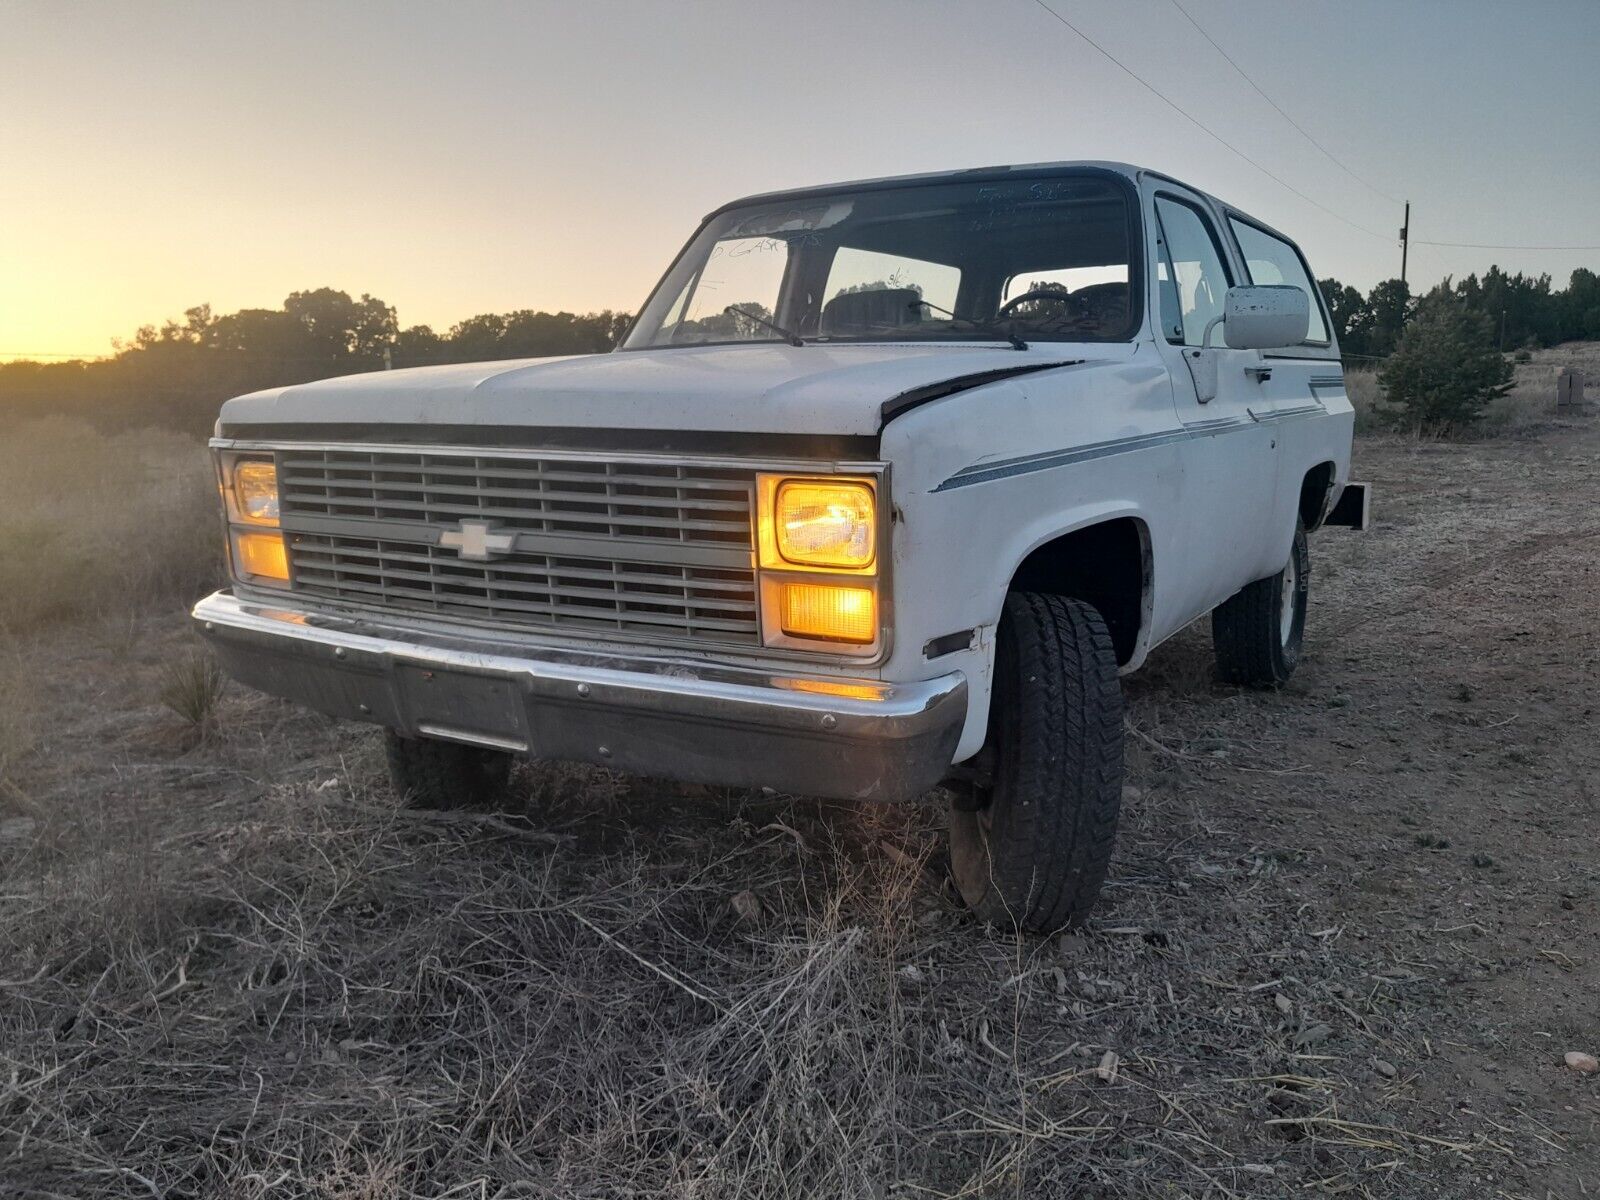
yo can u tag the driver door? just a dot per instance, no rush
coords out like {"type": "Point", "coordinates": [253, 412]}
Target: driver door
{"type": "Point", "coordinates": [1230, 461]}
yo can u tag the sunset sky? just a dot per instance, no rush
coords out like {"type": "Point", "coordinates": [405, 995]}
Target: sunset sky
{"type": "Point", "coordinates": [471, 157]}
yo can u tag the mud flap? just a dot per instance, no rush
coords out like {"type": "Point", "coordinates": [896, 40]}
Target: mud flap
{"type": "Point", "coordinates": [1353, 509]}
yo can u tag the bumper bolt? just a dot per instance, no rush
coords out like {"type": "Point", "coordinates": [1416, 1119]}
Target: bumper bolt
{"type": "Point", "coordinates": [338, 651]}
{"type": "Point", "coordinates": [583, 689]}
{"type": "Point", "coordinates": [829, 720]}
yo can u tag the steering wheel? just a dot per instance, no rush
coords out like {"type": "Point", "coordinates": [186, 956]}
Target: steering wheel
{"type": "Point", "coordinates": [1036, 294]}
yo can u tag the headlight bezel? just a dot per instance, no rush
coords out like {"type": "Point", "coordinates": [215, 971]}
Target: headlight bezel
{"type": "Point", "coordinates": [776, 570]}
{"type": "Point", "coordinates": [244, 527]}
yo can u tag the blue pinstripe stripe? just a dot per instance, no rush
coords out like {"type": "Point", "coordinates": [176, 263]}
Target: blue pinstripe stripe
{"type": "Point", "coordinates": [1029, 463]}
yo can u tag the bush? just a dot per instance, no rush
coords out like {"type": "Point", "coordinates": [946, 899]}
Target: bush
{"type": "Point", "coordinates": [191, 687]}
{"type": "Point", "coordinates": [1444, 372]}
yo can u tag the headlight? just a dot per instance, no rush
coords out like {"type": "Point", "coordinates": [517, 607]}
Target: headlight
{"type": "Point", "coordinates": [255, 492]}
{"type": "Point", "coordinates": [822, 524]}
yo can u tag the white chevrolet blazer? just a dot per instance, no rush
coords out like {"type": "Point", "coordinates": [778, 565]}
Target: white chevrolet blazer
{"type": "Point", "coordinates": [886, 486]}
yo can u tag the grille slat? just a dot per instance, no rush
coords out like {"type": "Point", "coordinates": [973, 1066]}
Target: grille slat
{"type": "Point", "coordinates": [370, 523]}
{"type": "Point", "coordinates": [512, 516]}
{"type": "Point", "coordinates": [355, 489]}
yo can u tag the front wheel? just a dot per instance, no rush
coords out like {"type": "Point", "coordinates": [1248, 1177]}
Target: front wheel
{"type": "Point", "coordinates": [433, 774]}
{"type": "Point", "coordinates": [1031, 838]}
{"type": "Point", "coordinates": [1257, 631]}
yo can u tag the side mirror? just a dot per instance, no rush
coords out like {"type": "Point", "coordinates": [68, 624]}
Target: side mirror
{"type": "Point", "coordinates": [1267, 316]}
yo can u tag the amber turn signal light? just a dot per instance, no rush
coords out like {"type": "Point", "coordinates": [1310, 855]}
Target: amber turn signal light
{"type": "Point", "coordinates": [829, 612]}
{"type": "Point", "coordinates": [260, 556]}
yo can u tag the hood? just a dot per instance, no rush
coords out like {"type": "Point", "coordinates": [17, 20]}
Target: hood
{"type": "Point", "coordinates": [762, 388]}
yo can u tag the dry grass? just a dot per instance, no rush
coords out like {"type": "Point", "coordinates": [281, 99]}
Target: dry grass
{"type": "Point", "coordinates": [93, 522]}
{"type": "Point", "coordinates": [191, 687]}
{"type": "Point", "coordinates": [326, 996]}
{"type": "Point", "coordinates": [19, 718]}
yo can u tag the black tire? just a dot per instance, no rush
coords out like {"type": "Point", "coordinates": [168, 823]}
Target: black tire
{"type": "Point", "coordinates": [1031, 844]}
{"type": "Point", "coordinates": [433, 774]}
{"type": "Point", "coordinates": [1257, 632]}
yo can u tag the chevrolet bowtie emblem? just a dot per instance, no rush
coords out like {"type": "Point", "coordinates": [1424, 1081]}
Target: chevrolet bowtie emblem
{"type": "Point", "coordinates": [476, 541]}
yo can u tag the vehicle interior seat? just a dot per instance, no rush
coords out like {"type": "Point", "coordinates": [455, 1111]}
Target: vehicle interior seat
{"type": "Point", "coordinates": [860, 313]}
{"type": "Point", "coordinates": [1107, 303]}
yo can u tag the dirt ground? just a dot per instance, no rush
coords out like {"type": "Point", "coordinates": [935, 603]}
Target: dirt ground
{"type": "Point", "coordinates": [1349, 936]}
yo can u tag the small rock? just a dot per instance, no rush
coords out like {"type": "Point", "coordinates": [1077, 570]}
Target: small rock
{"type": "Point", "coordinates": [747, 907]}
{"type": "Point", "coordinates": [1131, 794]}
{"type": "Point", "coordinates": [1285, 1005]}
{"type": "Point", "coordinates": [1070, 945]}
{"type": "Point", "coordinates": [911, 973]}
{"type": "Point", "coordinates": [1385, 1068]}
{"type": "Point", "coordinates": [1584, 1064]}
{"type": "Point", "coordinates": [1107, 1070]}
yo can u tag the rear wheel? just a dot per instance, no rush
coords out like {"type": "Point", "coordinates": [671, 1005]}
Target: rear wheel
{"type": "Point", "coordinates": [1031, 836]}
{"type": "Point", "coordinates": [1257, 632]}
{"type": "Point", "coordinates": [432, 774]}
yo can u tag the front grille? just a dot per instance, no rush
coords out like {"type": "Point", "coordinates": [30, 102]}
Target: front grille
{"type": "Point", "coordinates": [642, 549]}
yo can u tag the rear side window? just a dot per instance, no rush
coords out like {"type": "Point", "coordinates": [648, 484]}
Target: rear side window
{"type": "Point", "coordinates": [1270, 259]}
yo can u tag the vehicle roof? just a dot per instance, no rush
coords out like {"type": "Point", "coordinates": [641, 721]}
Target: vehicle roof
{"type": "Point", "coordinates": [1128, 171]}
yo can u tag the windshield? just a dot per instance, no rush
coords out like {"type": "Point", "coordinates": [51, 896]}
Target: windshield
{"type": "Point", "coordinates": [1035, 258]}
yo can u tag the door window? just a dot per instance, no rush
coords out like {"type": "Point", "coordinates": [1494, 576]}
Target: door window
{"type": "Point", "coordinates": [1191, 275]}
{"type": "Point", "coordinates": [1272, 260]}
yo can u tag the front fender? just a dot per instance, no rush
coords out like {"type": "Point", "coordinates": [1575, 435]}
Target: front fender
{"type": "Point", "coordinates": [983, 479]}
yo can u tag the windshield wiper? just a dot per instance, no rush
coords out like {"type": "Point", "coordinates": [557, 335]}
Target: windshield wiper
{"type": "Point", "coordinates": [1009, 333]}
{"type": "Point", "coordinates": [789, 335]}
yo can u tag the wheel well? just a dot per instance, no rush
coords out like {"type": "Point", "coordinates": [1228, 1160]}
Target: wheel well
{"type": "Point", "coordinates": [1314, 494]}
{"type": "Point", "coordinates": [1106, 565]}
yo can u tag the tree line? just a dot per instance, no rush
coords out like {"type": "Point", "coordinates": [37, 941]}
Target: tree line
{"type": "Point", "coordinates": [1522, 311]}
{"type": "Point", "coordinates": [178, 374]}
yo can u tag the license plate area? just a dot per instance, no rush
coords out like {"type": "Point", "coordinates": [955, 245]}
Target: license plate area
{"type": "Point", "coordinates": [457, 705]}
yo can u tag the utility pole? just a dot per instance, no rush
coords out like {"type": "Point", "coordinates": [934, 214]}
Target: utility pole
{"type": "Point", "coordinates": [1405, 241]}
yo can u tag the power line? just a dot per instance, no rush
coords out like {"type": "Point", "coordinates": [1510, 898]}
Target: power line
{"type": "Point", "coordinates": [1206, 129]}
{"type": "Point", "coordinates": [1485, 246]}
{"type": "Point", "coordinates": [1326, 153]}
{"type": "Point", "coordinates": [1278, 179]}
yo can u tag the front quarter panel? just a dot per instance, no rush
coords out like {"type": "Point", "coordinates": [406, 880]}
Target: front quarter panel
{"type": "Point", "coordinates": [984, 477]}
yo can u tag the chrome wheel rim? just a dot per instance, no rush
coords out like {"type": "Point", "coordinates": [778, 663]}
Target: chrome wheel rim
{"type": "Point", "coordinates": [1290, 585]}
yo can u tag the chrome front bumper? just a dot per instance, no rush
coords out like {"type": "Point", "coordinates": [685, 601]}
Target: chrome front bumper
{"type": "Point", "coordinates": [816, 735]}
